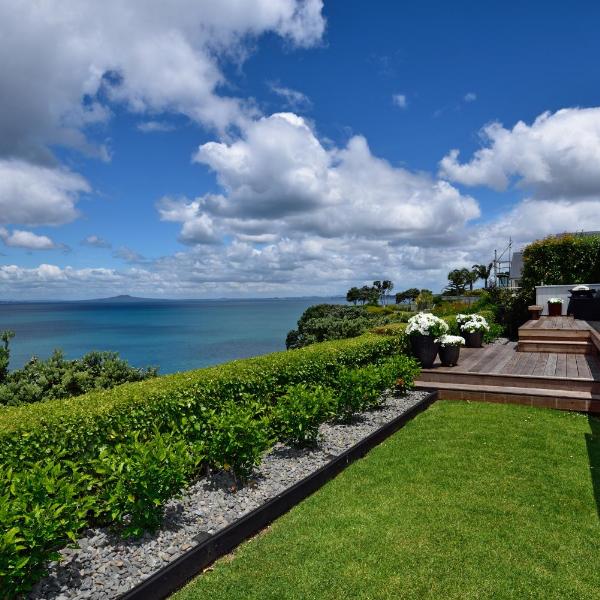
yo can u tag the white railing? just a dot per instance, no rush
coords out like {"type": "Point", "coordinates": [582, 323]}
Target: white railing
{"type": "Point", "coordinates": [543, 293]}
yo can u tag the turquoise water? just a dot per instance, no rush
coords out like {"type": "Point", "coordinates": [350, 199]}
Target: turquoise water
{"type": "Point", "coordinates": [173, 335]}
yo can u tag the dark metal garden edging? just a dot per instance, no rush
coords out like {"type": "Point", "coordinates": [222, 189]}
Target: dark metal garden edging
{"type": "Point", "coordinates": [173, 576]}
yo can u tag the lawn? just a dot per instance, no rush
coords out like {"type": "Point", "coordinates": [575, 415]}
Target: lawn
{"type": "Point", "coordinates": [469, 500]}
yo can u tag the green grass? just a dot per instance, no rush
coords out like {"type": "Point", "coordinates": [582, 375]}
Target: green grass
{"type": "Point", "coordinates": [467, 501]}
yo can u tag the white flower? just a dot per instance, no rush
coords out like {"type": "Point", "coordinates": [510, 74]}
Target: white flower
{"type": "Point", "coordinates": [472, 323]}
{"type": "Point", "coordinates": [426, 324]}
{"type": "Point", "coordinates": [555, 301]}
{"type": "Point", "coordinates": [450, 340]}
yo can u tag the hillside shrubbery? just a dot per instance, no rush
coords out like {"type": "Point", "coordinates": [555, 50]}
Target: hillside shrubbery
{"type": "Point", "coordinates": [57, 377]}
{"type": "Point", "coordinates": [116, 456]}
{"type": "Point", "coordinates": [324, 322]}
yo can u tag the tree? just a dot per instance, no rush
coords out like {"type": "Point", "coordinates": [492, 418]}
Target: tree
{"type": "Point", "coordinates": [387, 286]}
{"type": "Point", "coordinates": [457, 281]}
{"type": "Point", "coordinates": [424, 299]}
{"type": "Point", "coordinates": [5, 337]}
{"type": "Point", "coordinates": [368, 295]}
{"type": "Point", "coordinates": [353, 295]}
{"type": "Point", "coordinates": [483, 272]}
{"type": "Point", "coordinates": [470, 278]}
{"type": "Point", "coordinates": [409, 295]}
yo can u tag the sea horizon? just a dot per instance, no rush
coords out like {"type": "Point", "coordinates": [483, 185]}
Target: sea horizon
{"type": "Point", "coordinates": [171, 334]}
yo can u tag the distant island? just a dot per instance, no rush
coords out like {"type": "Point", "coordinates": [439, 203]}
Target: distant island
{"type": "Point", "coordinates": [122, 298]}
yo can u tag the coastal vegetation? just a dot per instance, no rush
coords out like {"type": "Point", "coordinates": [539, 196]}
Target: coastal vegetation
{"type": "Point", "coordinates": [324, 322]}
{"type": "Point", "coordinates": [113, 457]}
{"type": "Point", "coordinates": [469, 500]}
{"type": "Point", "coordinates": [57, 377]}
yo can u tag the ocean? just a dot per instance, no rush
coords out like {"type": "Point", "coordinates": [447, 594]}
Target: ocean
{"type": "Point", "coordinates": [170, 334]}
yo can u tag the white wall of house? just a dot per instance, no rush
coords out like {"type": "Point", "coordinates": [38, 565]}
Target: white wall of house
{"type": "Point", "coordinates": [543, 293]}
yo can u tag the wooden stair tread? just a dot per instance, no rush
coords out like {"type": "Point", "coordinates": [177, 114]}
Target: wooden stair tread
{"type": "Point", "coordinates": [524, 391]}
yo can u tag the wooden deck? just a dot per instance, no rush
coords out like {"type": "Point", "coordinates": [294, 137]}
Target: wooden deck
{"type": "Point", "coordinates": [551, 371]}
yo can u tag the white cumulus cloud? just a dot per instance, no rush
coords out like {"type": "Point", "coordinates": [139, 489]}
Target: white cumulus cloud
{"type": "Point", "coordinates": [66, 65]}
{"type": "Point", "coordinates": [37, 195]}
{"type": "Point", "coordinates": [279, 178]}
{"type": "Point", "coordinates": [26, 239]}
{"type": "Point", "coordinates": [557, 156]}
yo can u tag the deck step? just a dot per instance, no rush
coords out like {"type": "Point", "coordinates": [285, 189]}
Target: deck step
{"type": "Point", "coordinates": [565, 335]}
{"type": "Point", "coordinates": [538, 397]}
{"type": "Point", "coordinates": [556, 346]}
{"type": "Point", "coordinates": [583, 384]}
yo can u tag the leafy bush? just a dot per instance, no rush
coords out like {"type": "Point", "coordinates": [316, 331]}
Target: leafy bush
{"type": "Point", "coordinates": [561, 260]}
{"type": "Point", "coordinates": [42, 507]}
{"type": "Point", "coordinates": [180, 402]}
{"type": "Point", "coordinates": [391, 329]}
{"type": "Point", "coordinates": [237, 438]}
{"type": "Point", "coordinates": [57, 377]}
{"type": "Point", "coordinates": [118, 454]}
{"type": "Point", "coordinates": [361, 389]}
{"type": "Point", "coordinates": [506, 307]}
{"type": "Point", "coordinates": [324, 322]}
{"type": "Point", "coordinates": [300, 411]}
{"type": "Point", "coordinates": [136, 479]}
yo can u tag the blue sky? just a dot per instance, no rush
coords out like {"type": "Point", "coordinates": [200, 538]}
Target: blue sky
{"type": "Point", "coordinates": [285, 147]}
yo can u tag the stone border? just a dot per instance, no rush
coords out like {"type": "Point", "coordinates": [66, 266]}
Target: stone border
{"type": "Point", "coordinates": [176, 574]}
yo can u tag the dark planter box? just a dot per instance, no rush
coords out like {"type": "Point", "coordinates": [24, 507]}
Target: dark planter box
{"type": "Point", "coordinates": [449, 355]}
{"type": "Point", "coordinates": [554, 309]}
{"type": "Point", "coordinates": [473, 340]}
{"type": "Point", "coordinates": [425, 349]}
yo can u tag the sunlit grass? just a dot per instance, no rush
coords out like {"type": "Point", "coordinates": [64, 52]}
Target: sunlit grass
{"type": "Point", "coordinates": [467, 501]}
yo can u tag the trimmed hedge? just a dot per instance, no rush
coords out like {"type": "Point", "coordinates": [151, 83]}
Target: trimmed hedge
{"type": "Point", "coordinates": [116, 457]}
{"type": "Point", "coordinates": [561, 260]}
{"type": "Point", "coordinates": [180, 402]}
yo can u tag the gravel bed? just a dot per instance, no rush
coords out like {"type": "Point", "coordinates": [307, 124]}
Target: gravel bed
{"type": "Point", "coordinates": [104, 566]}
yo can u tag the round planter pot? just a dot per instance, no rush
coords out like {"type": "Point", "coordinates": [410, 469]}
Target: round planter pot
{"type": "Point", "coordinates": [449, 355]}
{"type": "Point", "coordinates": [473, 340]}
{"type": "Point", "coordinates": [554, 309]}
{"type": "Point", "coordinates": [425, 349]}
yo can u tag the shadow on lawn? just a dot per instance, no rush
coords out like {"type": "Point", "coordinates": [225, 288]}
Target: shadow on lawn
{"type": "Point", "coordinates": [593, 447]}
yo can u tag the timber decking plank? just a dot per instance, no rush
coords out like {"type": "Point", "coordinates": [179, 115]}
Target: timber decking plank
{"type": "Point", "coordinates": [561, 365]}
{"type": "Point", "coordinates": [540, 364]}
{"type": "Point", "coordinates": [526, 363]}
{"type": "Point", "coordinates": [489, 356]}
{"type": "Point", "coordinates": [507, 356]}
{"type": "Point", "coordinates": [550, 370]}
{"type": "Point", "coordinates": [571, 366]}
{"type": "Point", "coordinates": [583, 368]}
{"type": "Point", "coordinates": [509, 367]}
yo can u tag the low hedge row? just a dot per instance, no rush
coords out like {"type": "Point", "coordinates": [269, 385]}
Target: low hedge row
{"type": "Point", "coordinates": [83, 424]}
{"type": "Point", "coordinates": [118, 456]}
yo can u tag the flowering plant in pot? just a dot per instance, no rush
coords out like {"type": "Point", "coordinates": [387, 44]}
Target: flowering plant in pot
{"type": "Point", "coordinates": [472, 327]}
{"type": "Point", "coordinates": [424, 329]}
{"type": "Point", "coordinates": [450, 349]}
{"type": "Point", "coordinates": [555, 307]}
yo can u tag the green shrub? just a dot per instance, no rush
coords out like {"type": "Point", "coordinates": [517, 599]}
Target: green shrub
{"type": "Point", "coordinates": [324, 322]}
{"type": "Point", "coordinates": [300, 411]}
{"type": "Point", "coordinates": [361, 389]}
{"type": "Point", "coordinates": [399, 372]}
{"type": "Point", "coordinates": [237, 437]}
{"type": "Point", "coordinates": [181, 402]}
{"type": "Point", "coordinates": [57, 377]}
{"type": "Point", "coordinates": [390, 329]}
{"type": "Point", "coordinates": [137, 478]}
{"type": "Point", "coordinates": [119, 454]}
{"type": "Point", "coordinates": [42, 507]}
{"type": "Point", "coordinates": [561, 260]}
